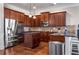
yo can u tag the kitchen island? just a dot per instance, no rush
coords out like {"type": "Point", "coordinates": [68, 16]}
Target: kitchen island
{"type": "Point", "coordinates": [31, 39]}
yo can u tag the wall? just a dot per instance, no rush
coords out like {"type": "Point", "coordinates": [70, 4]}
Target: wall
{"type": "Point", "coordinates": [1, 27]}
{"type": "Point", "coordinates": [72, 16]}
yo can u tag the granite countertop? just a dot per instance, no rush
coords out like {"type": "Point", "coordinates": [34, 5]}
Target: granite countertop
{"type": "Point", "coordinates": [62, 34]}
{"type": "Point", "coordinates": [31, 32]}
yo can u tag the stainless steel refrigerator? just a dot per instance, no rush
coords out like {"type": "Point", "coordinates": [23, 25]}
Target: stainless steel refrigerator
{"type": "Point", "coordinates": [10, 30]}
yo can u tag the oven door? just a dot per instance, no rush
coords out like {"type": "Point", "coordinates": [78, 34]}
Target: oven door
{"type": "Point", "coordinates": [75, 48]}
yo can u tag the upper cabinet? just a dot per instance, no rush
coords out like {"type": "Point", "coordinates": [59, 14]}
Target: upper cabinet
{"type": "Point", "coordinates": [57, 19]}
{"type": "Point", "coordinates": [37, 20]}
{"type": "Point", "coordinates": [52, 19]}
{"type": "Point", "coordinates": [6, 13]}
{"type": "Point", "coordinates": [28, 21]}
{"type": "Point", "coordinates": [45, 16]}
{"type": "Point", "coordinates": [14, 15]}
{"type": "Point", "coordinates": [22, 18]}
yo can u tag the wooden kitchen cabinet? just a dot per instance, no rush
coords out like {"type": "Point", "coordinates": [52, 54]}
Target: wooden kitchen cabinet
{"type": "Point", "coordinates": [22, 18]}
{"type": "Point", "coordinates": [45, 16]}
{"type": "Point", "coordinates": [57, 19]}
{"type": "Point", "coordinates": [51, 20]}
{"type": "Point", "coordinates": [60, 18]}
{"type": "Point", "coordinates": [13, 15]}
{"type": "Point", "coordinates": [37, 21]}
{"type": "Point", "coordinates": [44, 36]}
{"type": "Point", "coordinates": [29, 22]}
{"type": "Point", "coordinates": [59, 38]}
{"type": "Point", "coordinates": [32, 22]}
{"type": "Point", "coordinates": [31, 40]}
{"type": "Point", "coordinates": [6, 13]}
{"type": "Point", "coordinates": [25, 19]}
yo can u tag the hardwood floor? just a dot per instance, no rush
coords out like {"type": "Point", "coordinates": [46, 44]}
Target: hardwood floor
{"type": "Point", "coordinates": [42, 49]}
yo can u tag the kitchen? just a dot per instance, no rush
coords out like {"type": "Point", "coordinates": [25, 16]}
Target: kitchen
{"type": "Point", "coordinates": [47, 29]}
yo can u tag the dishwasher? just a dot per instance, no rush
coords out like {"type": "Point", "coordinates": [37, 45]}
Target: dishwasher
{"type": "Point", "coordinates": [56, 48]}
{"type": "Point", "coordinates": [75, 48]}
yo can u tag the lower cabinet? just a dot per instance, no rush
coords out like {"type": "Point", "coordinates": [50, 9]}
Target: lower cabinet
{"type": "Point", "coordinates": [31, 40]}
{"type": "Point", "coordinates": [20, 38]}
{"type": "Point", "coordinates": [59, 38]}
{"type": "Point", "coordinates": [44, 36]}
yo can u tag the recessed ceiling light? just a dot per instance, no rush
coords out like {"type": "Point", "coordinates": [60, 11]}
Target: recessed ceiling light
{"type": "Point", "coordinates": [34, 17]}
{"type": "Point", "coordinates": [34, 7]}
{"type": "Point", "coordinates": [30, 16]}
{"type": "Point", "coordinates": [54, 3]}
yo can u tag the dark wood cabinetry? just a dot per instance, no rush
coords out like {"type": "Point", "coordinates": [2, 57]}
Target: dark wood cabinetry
{"type": "Point", "coordinates": [60, 38]}
{"type": "Point", "coordinates": [37, 21]}
{"type": "Point", "coordinates": [44, 36]}
{"type": "Point", "coordinates": [22, 20]}
{"type": "Point", "coordinates": [57, 19]}
{"type": "Point", "coordinates": [14, 15]}
{"type": "Point", "coordinates": [53, 19]}
{"type": "Point", "coordinates": [60, 18]}
{"type": "Point", "coordinates": [31, 40]}
{"type": "Point", "coordinates": [6, 13]}
{"type": "Point", "coordinates": [45, 16]}
{"type": "Point", "coordinates": [20, 17]}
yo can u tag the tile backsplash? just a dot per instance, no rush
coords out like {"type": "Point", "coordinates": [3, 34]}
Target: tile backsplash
{"type": "Point", "coordinates": [70, 28]}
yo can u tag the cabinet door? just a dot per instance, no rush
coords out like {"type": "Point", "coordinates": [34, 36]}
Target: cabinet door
{"type": "Point", "coordinates": [45, 16]}
{"type": "Point", "coordinates": [25, 19]}
{"type": "Point", "coordinates": [6, 13]}
{"type": "Point", "coordinates": [32, 21]}
{"type": "Point", "coordinates": [44, 36]}
{"type": "Point", "coordinates": [28, 22]}
{"type": "Point", "coordinates": [59, 38]}
{"type": "Point", "coordinates": [63, 19]}
{"type": "Point", "coordinates": [18, 17]}
{"type": "Point", "coordinates": [42, 17]}
{"type": "Point", "coordinates": [59, 19]}
{"type": "Point", "coordinates": [51, 20]}
{"type": "Point", "coordinates": [12, 15]}
{"type": "Point", "coordinates": [37, 21]}
{"type": "Point", "coordinates": [22, 18]}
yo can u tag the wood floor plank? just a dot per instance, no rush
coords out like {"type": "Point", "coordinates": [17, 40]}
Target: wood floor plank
{"type": "Point", "coordinates": [20, 49]}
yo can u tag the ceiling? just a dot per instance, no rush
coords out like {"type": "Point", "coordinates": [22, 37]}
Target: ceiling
{"type": "Point", "coordinates": [29, 6]}
{"type": "Point", "coordinates": [39, 6]}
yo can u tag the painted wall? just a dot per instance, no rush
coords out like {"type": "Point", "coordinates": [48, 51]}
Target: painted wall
{"type": "Point", "coordinates": [1, 27]}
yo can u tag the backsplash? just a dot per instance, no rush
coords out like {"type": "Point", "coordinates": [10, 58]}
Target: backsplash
{"type": "Point", "coordinates": [70, 28]}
